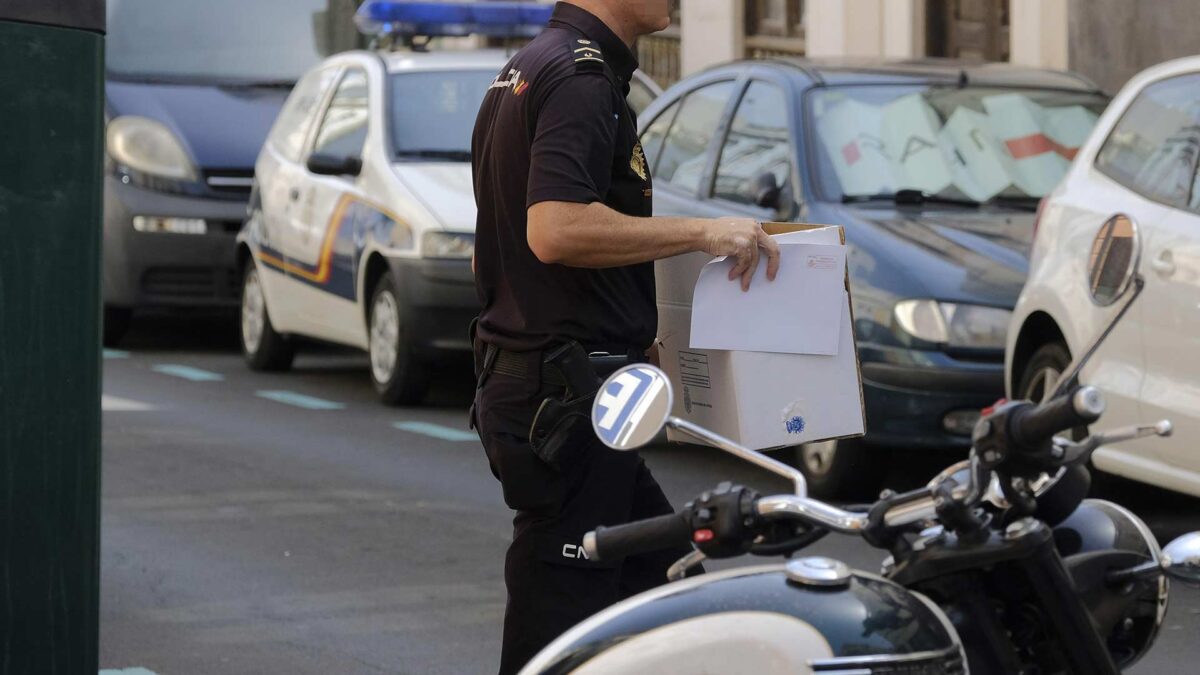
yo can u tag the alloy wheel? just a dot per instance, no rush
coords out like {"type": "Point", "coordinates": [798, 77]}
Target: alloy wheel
{"type": "Point", "coordinates": [253, 312]}
{"type": "Point", "coordinates": [818, 457]}
{"type": "Point", "coordinates": [385, 336]}
{"type": "Point", "coordinates": [1042, 384]}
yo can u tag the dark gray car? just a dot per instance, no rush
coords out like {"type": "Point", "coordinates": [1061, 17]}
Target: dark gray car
{"type": "Point", "coordinates": [934, 168]}
{"type": "Point", "coordinates": [191, 90]}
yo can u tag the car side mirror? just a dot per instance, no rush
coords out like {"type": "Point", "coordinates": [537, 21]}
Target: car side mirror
{"type": "Point", "coordinates": [767, 191]}
{"type": "Point", "coordinates": [324, 164]}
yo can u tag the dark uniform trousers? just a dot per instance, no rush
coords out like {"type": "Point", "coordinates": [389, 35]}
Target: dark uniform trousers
{"type": "Point", "coordinates": [551, 584]}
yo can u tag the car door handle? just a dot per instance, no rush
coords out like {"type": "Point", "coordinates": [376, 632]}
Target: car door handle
{"type": "Point", "coordinates": [1164, 264]}
{"type": "Point", "coordinates": [294, 194]}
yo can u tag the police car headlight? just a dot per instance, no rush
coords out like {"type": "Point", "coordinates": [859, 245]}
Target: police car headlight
{"type": "Point", "coordinates": [447, 245]}
{"type": "Point", "coordinates": [145, 145]}
{"type": "Point", "coordinates": [955, 325]}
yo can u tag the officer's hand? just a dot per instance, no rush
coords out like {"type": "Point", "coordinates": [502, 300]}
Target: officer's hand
{"type": "Point", "coordinates": [741, 239]}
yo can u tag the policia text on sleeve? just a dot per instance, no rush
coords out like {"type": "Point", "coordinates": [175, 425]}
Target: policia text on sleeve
{"type": "Point", "coordinates": [563, 260]}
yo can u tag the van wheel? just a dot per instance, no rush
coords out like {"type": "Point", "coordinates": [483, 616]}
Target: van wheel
{"type": "Point", "coordinates": [116, 324]}
{"type": "Point", "coordinates": [845, 469]}
{"type": "Point", "coordinates": [1041, 372]}
{"type": "Point", "coordinates": [262, 347]}
{"type": "Point", "coordinates": [400, 377]}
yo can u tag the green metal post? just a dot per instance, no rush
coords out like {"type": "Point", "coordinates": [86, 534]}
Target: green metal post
{"type": "Point", "coordinates": [51, 156]}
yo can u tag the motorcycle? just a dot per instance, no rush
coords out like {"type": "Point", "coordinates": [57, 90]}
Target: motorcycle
{"type": "Point", "coordinates": [999, 565]}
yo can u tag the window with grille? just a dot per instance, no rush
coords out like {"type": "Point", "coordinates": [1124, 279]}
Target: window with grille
{"type": "Point", "coordinates": [774, 28]}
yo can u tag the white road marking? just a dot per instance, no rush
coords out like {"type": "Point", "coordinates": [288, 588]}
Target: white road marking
{"type": "Point", "coordinates": [118, 404]}
{"type": "Point", "coordinates": [437, 431]}
{"type": "Point", "coordinates": [187, 372]}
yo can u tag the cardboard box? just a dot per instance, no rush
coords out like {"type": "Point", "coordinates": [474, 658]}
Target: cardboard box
{"type": "Point", "coordinates": [759, 399]}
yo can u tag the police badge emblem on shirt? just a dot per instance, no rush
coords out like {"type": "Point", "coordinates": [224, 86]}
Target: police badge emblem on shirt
{"type": "Point", "coordinates": [637, 162]}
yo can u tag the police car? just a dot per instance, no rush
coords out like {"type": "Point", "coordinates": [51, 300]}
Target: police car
{"type": "Point", "coordinates": [361, 224]}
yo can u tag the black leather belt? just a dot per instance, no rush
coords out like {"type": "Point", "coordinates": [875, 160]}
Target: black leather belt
{"type": "Point", "coordinates": [529, 365]}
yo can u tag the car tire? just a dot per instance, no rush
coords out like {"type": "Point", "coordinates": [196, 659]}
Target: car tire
{"type": "Point", "coordinates": [845, 469]}
{"type": "Point", "coordinates": [1048, 363]}
{"type": "Point", "coordinates": [116, 324]}
{"type": "Point", "coordinates": [263, 348]}
{"type": "Point", "coordinates": [1041, 372]}
{"type": "Point", "coordinates": [400, 377]}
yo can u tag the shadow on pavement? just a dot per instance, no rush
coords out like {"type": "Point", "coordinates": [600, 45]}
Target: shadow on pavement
{"type": "Point", "coordinates": [201, 332]}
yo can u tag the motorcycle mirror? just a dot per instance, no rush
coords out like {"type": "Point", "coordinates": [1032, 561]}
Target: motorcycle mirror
{"type": "Point", "coordinates": [1182, 558]}
{"type": "Point", "coordinates": [1114, 260]}
{"type": "Point", "coordinates": [632, 406]}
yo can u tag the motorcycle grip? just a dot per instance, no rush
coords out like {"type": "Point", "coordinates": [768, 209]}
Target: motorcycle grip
{"type": "Point", "coordinates": [1079, 407]}
{"type": "Point", "coordinates": [642, 536]}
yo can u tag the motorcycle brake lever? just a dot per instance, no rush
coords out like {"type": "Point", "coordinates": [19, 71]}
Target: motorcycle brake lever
{"type": "Point", "coordinates": [789, 545]}
{"type": "Point", "coordinates": [1071, 452]}
{"type": "Point", "coordinates": [679, 568]}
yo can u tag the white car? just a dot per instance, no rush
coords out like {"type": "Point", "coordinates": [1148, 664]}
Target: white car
{"type": "Point", "coordinates": [1139, 162]}
{"type": "Point", "coordinates": [362, 220]}
{"type": "Point", "coordinates": [362, 224]}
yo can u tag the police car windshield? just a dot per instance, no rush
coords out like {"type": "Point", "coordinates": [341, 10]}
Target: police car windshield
{"type": "Point", "coordinates": [227, 41]}
{"type": "Point", "coordinates": [433, 113]}
{"type": "Point", "coordinates": [952, 145]}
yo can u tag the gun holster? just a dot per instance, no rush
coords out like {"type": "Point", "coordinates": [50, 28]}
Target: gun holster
{"type": "Point", "coordinates": [562, 425]}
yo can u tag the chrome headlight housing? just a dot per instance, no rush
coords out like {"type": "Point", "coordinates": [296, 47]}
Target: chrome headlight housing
{"type": "Point", "coordinates": [149, 147]}
{"type": "Point", "coordinates": [448, 245]}
{"type": "Point", "coordinates": [954, 324]}
{"type": "Point", "coordinates": [1099, 527]}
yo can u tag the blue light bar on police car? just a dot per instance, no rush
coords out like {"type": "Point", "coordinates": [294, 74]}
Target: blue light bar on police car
{"type": "Point", "coordinates": [497, 18]}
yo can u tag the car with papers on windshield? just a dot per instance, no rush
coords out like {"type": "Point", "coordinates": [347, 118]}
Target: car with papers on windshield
{"type": "Point", "coordinates": [934, 168]}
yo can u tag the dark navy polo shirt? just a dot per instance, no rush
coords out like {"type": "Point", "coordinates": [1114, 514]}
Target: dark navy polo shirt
{"type": "Point", "coordinates": [554, 126]}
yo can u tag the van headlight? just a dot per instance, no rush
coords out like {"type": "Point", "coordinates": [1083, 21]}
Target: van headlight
{"type": "Point", "coordinates": [953, 324]}
{"type": "Point", "coordinates": [149, 147]}
{"type": "Point", "coordinates": [457, 245]}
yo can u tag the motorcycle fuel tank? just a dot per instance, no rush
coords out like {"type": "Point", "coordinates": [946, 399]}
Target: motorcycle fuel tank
{"type": "Point", "coordinates": [761, 620]}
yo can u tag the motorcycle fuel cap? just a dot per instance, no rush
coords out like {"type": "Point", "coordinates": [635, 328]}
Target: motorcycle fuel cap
{"type": "Point", "coordinates": [818, 571]}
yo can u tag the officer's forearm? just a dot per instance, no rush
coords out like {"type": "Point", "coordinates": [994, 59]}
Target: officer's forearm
{"type": "Point", "coordinates": [596, 236]}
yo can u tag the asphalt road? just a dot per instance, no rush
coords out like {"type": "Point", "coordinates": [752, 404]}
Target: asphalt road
{"type": "Point", "coordinates": [289, 523]}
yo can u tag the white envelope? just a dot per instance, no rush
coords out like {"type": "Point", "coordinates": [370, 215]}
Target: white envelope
{"type": "Point", "coordinates": [797, 313]}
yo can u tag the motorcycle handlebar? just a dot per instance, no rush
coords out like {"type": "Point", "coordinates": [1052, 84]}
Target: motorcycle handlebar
{"type": "Point", "coordinates": [1079, 408]}
{"type": "Point", "coordinates": [643, 536]}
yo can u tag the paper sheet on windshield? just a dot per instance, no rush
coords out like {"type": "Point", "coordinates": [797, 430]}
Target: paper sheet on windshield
{"type": "Point", "coordinates": [798, 313]}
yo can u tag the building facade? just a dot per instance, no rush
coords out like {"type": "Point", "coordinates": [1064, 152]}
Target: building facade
{"type": "Point", "coordinates": [1106, 40]}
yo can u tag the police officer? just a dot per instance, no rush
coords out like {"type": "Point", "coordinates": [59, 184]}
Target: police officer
{"type": "Point", "coordinates": [564, 250]}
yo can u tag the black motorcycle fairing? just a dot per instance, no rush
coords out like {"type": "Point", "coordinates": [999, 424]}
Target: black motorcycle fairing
{"type": "Point", "coordinates": [869, 616]}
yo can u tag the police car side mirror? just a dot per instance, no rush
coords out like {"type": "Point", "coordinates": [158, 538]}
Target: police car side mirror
{"type": "Point", "coordinates": [323, 164]}
{"type": "Point", "coordinates": [767, 191]}
{"type": "Point", "coordinates": [632, 406]}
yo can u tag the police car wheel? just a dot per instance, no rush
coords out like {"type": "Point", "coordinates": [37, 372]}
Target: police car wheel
{"type": "Point", "coordinates": [399, 376]}
{"type": "Point", "coordinates": [262, 347]}
{"type": "Point", "coordinates": [846, 469]}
